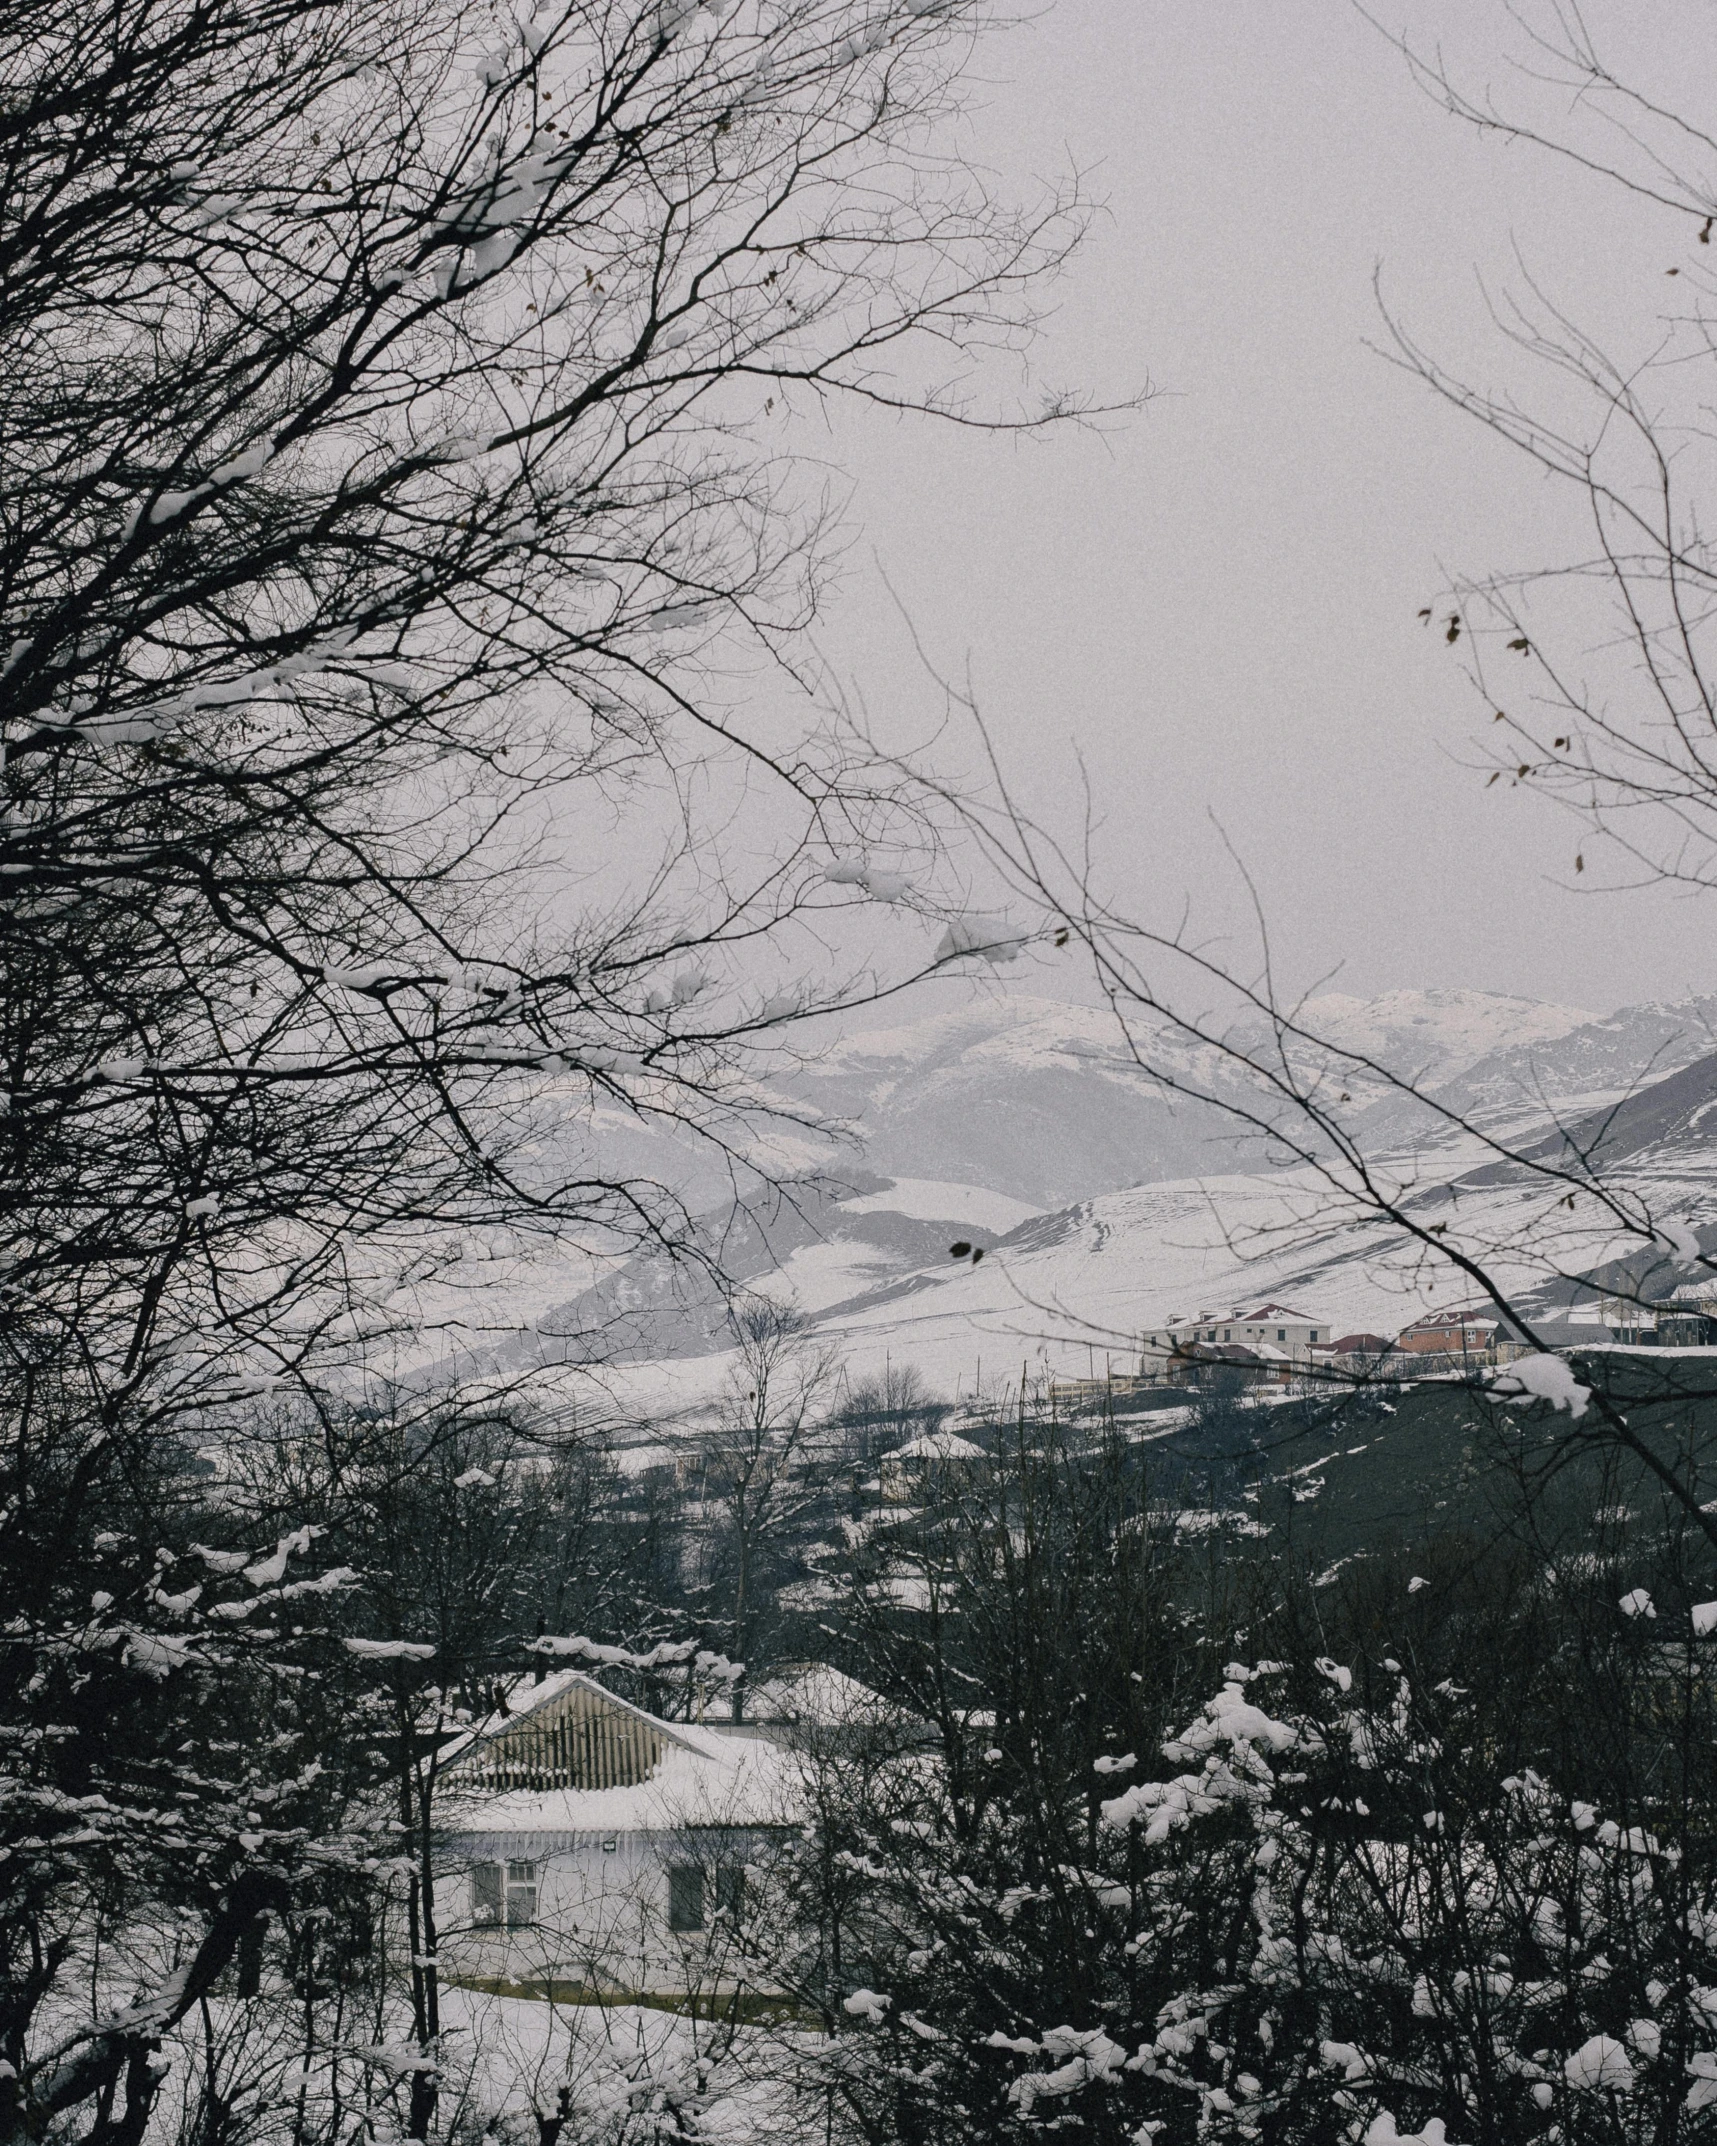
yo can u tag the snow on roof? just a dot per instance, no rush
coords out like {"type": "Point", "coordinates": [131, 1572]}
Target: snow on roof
{"type": "Point", "coordinates": [528, 1694]}
{"type": "Point", "coordinates": [937, 1445]}
{"type": "Point", "coordinates": [735, 1781]}
{"type": "Point", "coordinates": [703, 1778]}
{"type": "Point", "coordinates": [814, 1692]}
{"type": "Point", "coordinates": [1260, 1315]}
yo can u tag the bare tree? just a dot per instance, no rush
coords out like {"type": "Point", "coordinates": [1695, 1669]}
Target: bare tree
{"type": "Point", "coordinates": [881, 1409]}
{"type": "Point", "coordinates": [754, 1483]}
{"type": "Point", "coordinates": [1597, 667]}
{"type": "Point", "coordinates": [387, 476]}
{"type": "Point", "coordinates": [396, 531]}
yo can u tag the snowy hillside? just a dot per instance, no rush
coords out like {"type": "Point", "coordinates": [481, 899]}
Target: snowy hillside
{"type": "Point", "coordinates": [1037, 1099]}
{"type": "Point", "coordinates": [1430, 1036]}
{"type": "Point", "coordinates": [1104, 1204]}
{"type": "Point", "coordinates": [1045, 1101]}
{"type": "Point", "coordinates": [1597, 1061]}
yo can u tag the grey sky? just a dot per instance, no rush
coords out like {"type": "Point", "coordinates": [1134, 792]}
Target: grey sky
{"type": "Point", "coordinates": [1216, 604]}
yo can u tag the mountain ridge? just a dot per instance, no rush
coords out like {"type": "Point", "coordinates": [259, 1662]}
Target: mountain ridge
{"type": "Point", "coordinates": [1020, 1126]}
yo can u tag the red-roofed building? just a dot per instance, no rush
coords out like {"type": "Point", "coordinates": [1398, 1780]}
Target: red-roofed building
{"type": "Point", "coordinates": [1361, 1345]}
{"type": "Point", "coordinates": [1266, 1336]}
{"type": "Point", "coordinates": [1470, 1331]}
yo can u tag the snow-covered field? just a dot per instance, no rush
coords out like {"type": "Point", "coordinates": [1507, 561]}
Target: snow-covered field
{"type": "Point", "coordinates": [508, 2057]}
{"type": "Point", "coordinates": [1065, 1293]}
{"type": "Point", "coordinates": [1023, 1096]}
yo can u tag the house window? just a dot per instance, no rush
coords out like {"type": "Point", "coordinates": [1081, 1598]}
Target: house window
{"type": "Point", "coordinates": [521, 1895]}
{"type": "Point", "coordinates": [504, 1893]}
{"type": "Point", "coordinates": [685, 1897]}
{"type": "Point", "coordinates": [486, 1895]}
{"type": "Point", "coordinates": [1281, 1333]}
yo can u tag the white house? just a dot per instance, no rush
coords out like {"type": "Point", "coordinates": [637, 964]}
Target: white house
{"type": "Point", "coordinates": [595, 1850]}
{"type": "Point", "coordinates": [941, 1453]}
{"type": "Point", "coordinates": [1269, 1330]}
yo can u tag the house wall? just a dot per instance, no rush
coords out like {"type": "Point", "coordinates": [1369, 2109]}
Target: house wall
{"type": "Point", "coordinates": [1242, 1333]}
{"type": "Point", "coordinates": [600, 1917]}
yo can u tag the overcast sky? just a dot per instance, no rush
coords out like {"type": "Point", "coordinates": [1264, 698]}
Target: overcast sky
{"type": "Point", "coordinates": [1215, 604]}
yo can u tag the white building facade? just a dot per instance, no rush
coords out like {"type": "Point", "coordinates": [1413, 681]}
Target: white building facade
{"type": "Point", "coordinates": [1274, 1333]}
{"type": "Point", "coordinates": [594, 1851]}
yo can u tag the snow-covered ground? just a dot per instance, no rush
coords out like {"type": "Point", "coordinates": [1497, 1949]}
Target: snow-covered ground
{"type": "Point", "coordinates": [1064, 1294]}
{"type": "Point", "coordinates": [923, 1199]}
{"type": "Point", "coordinates": [508, 2057]}
{"type": "Point", "coordinates": [1013, 1100]}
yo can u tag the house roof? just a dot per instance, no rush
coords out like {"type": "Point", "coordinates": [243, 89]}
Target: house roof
{"type": "Point", "coordinates": [700, 1777]}
{"type": "Point", "coordinates": [742, 1781]}
{"type": "Point", "coordinates": [813, 1692]}
{"type": "Point", "coordinates": [937, 1445]}
{"type": "Point", "coordinates": [536, 1695]}
{"type": "Point", "coordinates": [1259, 1315]}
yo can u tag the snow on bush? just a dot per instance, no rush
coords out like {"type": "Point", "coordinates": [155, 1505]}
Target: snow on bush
{"type": "Point", "coordinates": [1599, 2065]}
{"type": "Point", "coordinates": [1351, 1936]}
{"type": "Point", "coordinates": [1541, 1378]}
{"type": "Point", "coordinates": [992, 938]}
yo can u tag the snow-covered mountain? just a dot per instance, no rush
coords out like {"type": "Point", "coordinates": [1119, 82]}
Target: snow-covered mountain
{"type": "Point", "coordinates": [1104, 1202]}
{"type": "Point", "coordinates": [1432, 1036]}
{"type": "Point", "coordinates": [1028, 1097]}
{"type": "Point", "coordinates": [1572, 1071]}
{"type": "Point", "coordinates": [1046, 1103]}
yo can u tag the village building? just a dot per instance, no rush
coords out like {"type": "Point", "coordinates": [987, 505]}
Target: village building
{"type": "Point", "coordinates": [1361, 1344]}
{"type": "Point", "coordinates": [1470, 1332]}
{"type": "Point", "coordinates": [1687, 1319]}
{"type": "Point", "coordinates": [1472, 1336]}
{"type": "Point", "coordinates": [1263, 1339]}
{"type": "Point", "coordinates": [596, 1852]}
{"type": "Point", "coordinates": [943, 1454]}
{"type": "Point", "coordinates": [813, 1701]}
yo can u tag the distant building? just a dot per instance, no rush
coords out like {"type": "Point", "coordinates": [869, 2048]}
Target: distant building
{"type": "Point", "coordinates": [1265, 1339]}
{"type": "Point", "coordinates": [1219, 1363]}
{"type": "Point", "coordinates": [1360, 1345]}
{"type": "Point", "coordinates": [1276, 1324]}
{"type": "Point", "coordinates": [799, 1700]}
{"type": "Point", "coordinates": [1627, 1320]}
{"type": "Point", "coordinates": [941, 1453]}
{"type": "Point", "coordinates": [1688, 1319]}
{"type": "Point", "coordinates": [1471, 1333]}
